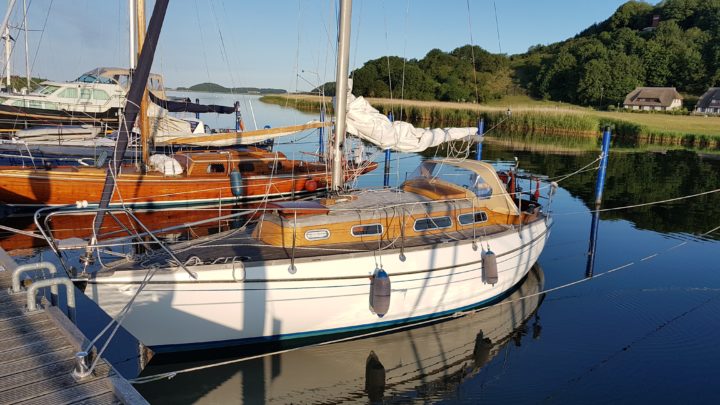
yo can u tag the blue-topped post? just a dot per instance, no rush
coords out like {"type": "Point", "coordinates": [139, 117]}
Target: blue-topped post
{"type": "Point", "coordinates": [478, 145]}
{"type": "Point", "coordinates": [238, 116]}
{"type": "Point", "coordinates": [197, 114]}
{"type": "Point", "coordinates": [388, 153]}
{"type": "Point", "coordinates": [600, 184]}
{"type": "Point", "coordinates": [321, 145]}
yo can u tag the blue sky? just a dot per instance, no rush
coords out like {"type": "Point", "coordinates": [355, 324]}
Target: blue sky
{"type": "Point", "coordinates": [286, 43]}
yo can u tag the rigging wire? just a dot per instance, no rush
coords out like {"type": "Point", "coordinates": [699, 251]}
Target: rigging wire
{"type": "Point", "coordinates": [202, 39]}
{"type": "Point", "coordinates": [472, 52]}
{"type": "Point", "coordinates": [497, 27]}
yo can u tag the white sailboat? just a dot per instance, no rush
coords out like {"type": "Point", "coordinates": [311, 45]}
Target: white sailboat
{"type": "Point", "coordinates": [449, 238]}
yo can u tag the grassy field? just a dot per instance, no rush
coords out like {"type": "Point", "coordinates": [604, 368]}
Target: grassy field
{"type": "Point", "coordinates": [540, 116]}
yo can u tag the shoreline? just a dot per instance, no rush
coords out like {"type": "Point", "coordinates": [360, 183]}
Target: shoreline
{"type": "Point", "coordinates": [658, 129]}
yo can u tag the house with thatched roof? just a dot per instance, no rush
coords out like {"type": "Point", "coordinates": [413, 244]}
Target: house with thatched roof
{"type": "Point", "coordinates": [709, 103]}
{"type": "Point", "coordinates": [653, 99]}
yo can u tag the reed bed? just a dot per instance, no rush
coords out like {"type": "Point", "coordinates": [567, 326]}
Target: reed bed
{"type": "Point", "coordinates": [536, 121]}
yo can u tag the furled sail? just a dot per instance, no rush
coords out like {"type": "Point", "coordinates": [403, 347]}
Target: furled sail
{"type": "Point", "coordinates": [237, 138]}
{"type": "Point", "coordinates": [367, 123]}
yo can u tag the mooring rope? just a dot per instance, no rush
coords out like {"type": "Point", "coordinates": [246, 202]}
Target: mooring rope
{"type": "Point", "coordinates": [625, 207]}
{"type": "Point", "coordinates": [459, 314]}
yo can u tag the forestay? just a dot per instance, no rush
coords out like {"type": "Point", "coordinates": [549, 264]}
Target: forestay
{"type": "Point", "coordinates": [367, 123]}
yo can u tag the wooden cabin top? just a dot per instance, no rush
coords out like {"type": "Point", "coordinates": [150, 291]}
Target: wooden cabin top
{"type": "Point", "coordinates": [440, 196]}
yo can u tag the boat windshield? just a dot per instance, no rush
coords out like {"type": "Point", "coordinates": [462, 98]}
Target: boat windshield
{"type": "Point", "coordinates": [90, 78]}
{"type": "Point", "coordinates": [46, 90]}
{"type": "Point", "coordinates": [462, 177]}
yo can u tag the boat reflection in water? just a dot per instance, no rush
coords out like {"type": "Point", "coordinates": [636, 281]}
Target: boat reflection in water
{"type": "Point", "coordinates": [425, 362]}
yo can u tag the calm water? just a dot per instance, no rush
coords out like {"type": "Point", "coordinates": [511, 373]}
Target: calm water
{"type": "Point", "coordinates": [647, 332]}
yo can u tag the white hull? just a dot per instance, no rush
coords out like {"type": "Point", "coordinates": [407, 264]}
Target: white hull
{"type": "Point", "coordinates": [327, 295]}
{"type": "Point", "coordinates": [422, 361]}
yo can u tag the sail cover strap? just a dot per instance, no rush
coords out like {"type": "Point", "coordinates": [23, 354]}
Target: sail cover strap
{"type": "Point", "coordinates": [132, 106]}
{"type": "Point", "coordinates": [367, 123]}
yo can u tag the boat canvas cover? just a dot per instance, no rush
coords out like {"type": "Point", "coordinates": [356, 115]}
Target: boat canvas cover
{"type": "Point", "coordinates": [166, 165]}
{"type": "Point", "coordinates": [367, 123]}
{"type": "Point", "coordinates": [188, 106]}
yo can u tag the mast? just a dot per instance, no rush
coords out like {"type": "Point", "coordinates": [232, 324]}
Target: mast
{"type": "Point", "coordinates": [142, 118]}
{"type": "Point", "coordinates": [6, 34]}
{"type": "Point", "coordinates": [137, 87]}
{"type": "Point", "coordinates": [131, 24]}
{"type": "Point", "coordinates": [27, 51]}
{"type": "Point", "coordinates": [341, 90]}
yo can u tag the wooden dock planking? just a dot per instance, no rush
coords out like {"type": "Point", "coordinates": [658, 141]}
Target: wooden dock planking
{"type": "Point", "coordinates": [37, 356]}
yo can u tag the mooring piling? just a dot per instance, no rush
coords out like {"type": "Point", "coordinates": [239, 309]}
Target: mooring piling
{"type": "Point", "coordinates": [388, 154]}
{"type": "Point", "coordinates": [478, 144]}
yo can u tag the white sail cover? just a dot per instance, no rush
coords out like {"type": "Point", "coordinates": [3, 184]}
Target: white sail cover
{"type": "Point", "coordinates": [167, 165]}
{"type": "Point", "coordinates": [369, 124]}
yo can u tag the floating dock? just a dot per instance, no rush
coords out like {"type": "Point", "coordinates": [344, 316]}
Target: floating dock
{"type": "Point", "coordinates": [37, 355]}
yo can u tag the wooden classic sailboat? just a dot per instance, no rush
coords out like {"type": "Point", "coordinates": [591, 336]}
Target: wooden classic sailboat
{"type": "Point", "coordinates": [187, 178]}
{"type": "Point", "coordinates": [324, 267]}
{"type": "Point", "coordinates": [449, 238]}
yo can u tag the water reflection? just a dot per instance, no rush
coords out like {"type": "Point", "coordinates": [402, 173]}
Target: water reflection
{"type": "Point", "coordinates": [633, 177]}
{"type": "Point", "coordinates": [427, 362]}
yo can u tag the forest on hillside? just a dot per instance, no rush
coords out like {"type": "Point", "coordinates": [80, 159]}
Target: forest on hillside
{"type": "Point", "coordinates": [673, 44]}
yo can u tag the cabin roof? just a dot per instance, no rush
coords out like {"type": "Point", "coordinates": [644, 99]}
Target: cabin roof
{"type": "Point", "coordinates": [711, 99]}
{"type": "Point", "coordinates": [652, 96]}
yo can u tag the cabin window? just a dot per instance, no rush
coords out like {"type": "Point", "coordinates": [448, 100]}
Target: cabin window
{"type": "Point", "coordinates": [19, 103]}
{"type": "Point", "coordinates": [480, 187]}
{"type": "Point", "coordinates": [460, 176]}
{"type": "Point", "coordinates": [51, 106]}
{"type": "Point", "coordinates": [100, 95]}
{"type": "Point", "coordinates": [36, 104]}
{"type": "Point", "coordinates": [70, 92]}
{"type": "Point", "coordinates": [427, 224]}
{"type": "Point", "coordinates": [366, 230]}
{"type": "Point", "coordinates": [123, 80]}
{"type": "Point", "coordinates": [317, 234]}
{"type": "Point", "coordinates": [472, 218]}
{"type": "Point", "coordinates": [246, 167]}
{"type": "Point", "coordinates": [216, 168]}
{"type": "Point", "coordinates": [85, 94]}
{"type": "Point", "coordinates": [155, 83]}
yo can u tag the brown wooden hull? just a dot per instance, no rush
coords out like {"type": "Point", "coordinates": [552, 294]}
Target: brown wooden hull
{"type": "Point", "coordinates": [80, 225]}
{"type": "Point", "coordinates": [66, 186]}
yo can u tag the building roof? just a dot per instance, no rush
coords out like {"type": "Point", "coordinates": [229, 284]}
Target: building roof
{"type": "Point", "coordinates": [652, 96]}
{"type": "Point", "coordinates": [711, 99]}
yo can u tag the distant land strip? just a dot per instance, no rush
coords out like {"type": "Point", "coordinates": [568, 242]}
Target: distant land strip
{"type": "Point", "coordinates": [216, 88]}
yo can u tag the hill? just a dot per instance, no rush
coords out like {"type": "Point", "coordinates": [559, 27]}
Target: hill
{"type": "Point", "coordinates": [673, 44]}
{"type": "Point", "coordinates": [216, 88]}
